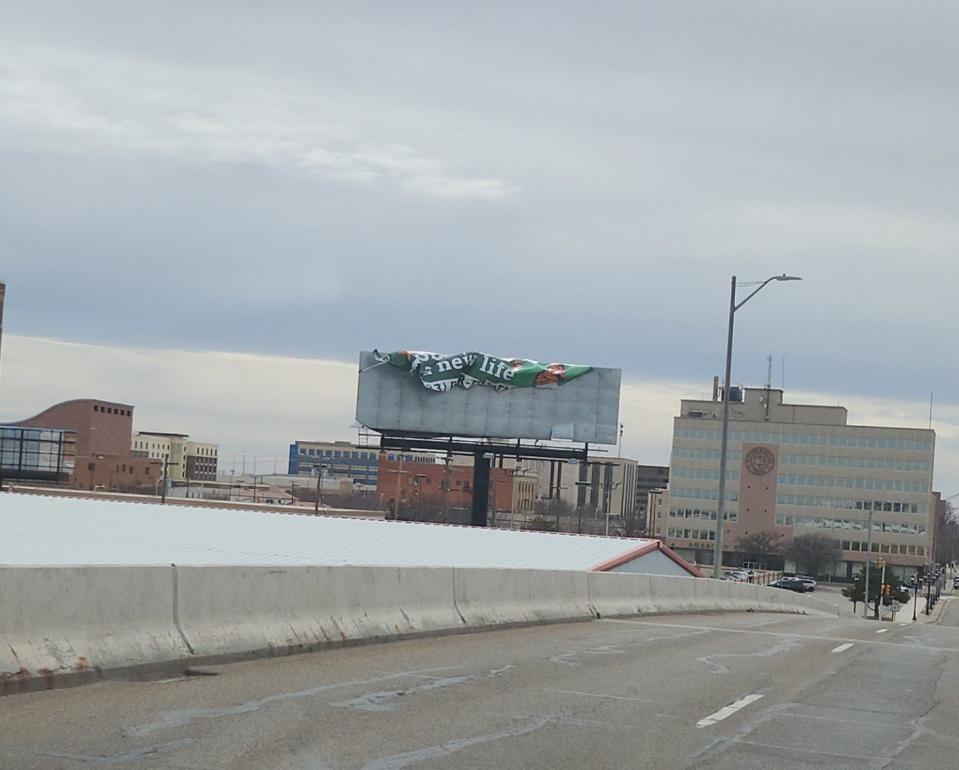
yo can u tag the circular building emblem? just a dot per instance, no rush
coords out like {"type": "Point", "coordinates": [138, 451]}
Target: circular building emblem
{"type": "Point", "coordinates": [760, 461]}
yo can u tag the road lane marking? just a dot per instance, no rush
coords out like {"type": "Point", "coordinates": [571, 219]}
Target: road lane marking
{"type": "Point", "coordinates": [841, 648]}
{"type": "Point", "coordinates": [794, 635]}
{"type": "Point", "coordinates": [728, 711]}
{"type": "Point", "coordinates": [881, 630]}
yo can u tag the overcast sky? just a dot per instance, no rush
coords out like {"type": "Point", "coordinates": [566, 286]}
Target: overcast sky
{"type": "Point", "coordinates": [578, 183]}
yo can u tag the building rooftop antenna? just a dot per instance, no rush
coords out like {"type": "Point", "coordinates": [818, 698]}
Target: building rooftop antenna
{"type": "Point", "coordinates": [769, 381]}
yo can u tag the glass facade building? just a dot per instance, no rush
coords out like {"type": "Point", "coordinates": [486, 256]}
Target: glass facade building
{"type": "Point", "coordinates": [37, 454]}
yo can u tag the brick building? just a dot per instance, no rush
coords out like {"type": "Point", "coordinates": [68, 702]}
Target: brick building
{"type": "Point", "coordinates": [103, 457]}
{"type": "Point", "coordinates": [426, 483]}
{"type": "Point", "coordinates": [102, 427]}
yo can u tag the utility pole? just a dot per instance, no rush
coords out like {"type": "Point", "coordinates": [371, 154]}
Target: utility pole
{"type": "Point", "coordinates": [319, 488]}
{"type": "Point", "coordinates": [448, 461]}
{"type": "Point", "coordinates": [399, 477]}
{"type": "Point", "coordinates": [166, 466]}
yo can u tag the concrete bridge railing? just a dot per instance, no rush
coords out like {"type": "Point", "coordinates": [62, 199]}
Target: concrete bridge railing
{"type": "Point", "coordinates": [68, 625]}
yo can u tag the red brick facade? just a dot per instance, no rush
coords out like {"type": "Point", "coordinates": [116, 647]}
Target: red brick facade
{"type": "Point", "coordinates": [102, 427]}
{"type": "Point", "coordinates": [104, 457]}
{"type": "Point", "coordinates": [117, 473]}
{"type": "Point", "coordinates": [426, 483]}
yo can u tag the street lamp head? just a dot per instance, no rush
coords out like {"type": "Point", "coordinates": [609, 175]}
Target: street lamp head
{"type": "Point", "coordinates": [785, 277]}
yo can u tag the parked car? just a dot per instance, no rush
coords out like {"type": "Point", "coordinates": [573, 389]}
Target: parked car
{"type": "Point", "coordinates": [810, 582]}
{"type": "Point", "coordinates": [740, 576]}
{"type": "Point", "coordinates": [955, 582]}
{"type": "Point", "coordinates": [791, 584]}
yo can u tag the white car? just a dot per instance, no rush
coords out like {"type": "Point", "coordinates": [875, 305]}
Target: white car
{"type": "Point", "coordinates": [810, 582]}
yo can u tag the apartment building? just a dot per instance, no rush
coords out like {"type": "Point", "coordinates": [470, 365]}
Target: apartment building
{"type": "Point", "coordinates": [602, 485]}
{"type": "Point", "coordinates": [186, 460]}
{"type": "Point", "coordinates": [649, 478]}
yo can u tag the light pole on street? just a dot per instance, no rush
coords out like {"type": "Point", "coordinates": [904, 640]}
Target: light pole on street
{"type": "Point", "coordinates": [721, 502]}
{"type": "Point", "coordinates": [915, 596]}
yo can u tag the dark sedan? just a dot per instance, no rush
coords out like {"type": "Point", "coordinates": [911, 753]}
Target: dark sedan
{"type": "Point", "coordinates": [791, 584]}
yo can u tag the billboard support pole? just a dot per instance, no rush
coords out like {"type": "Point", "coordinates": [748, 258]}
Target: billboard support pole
{"type": "Point", "coordinates": [480, 508]}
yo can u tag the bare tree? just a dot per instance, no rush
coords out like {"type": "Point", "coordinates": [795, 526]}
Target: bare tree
{"type": "Point", "coordinates": [812, 553]}
{"type": "Point", "coordinates": [759, 545]}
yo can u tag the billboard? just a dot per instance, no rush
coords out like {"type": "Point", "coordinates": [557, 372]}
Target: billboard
{"type": "Point", "coordinates": [481, 396]}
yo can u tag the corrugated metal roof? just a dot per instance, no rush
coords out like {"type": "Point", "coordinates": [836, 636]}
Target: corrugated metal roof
{"type": "Point", "coordinates": [42, 530]}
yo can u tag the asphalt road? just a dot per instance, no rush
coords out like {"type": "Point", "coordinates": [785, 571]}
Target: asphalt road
{"type": "Point", "coordinates": [950, 611]}
{"type": "Point", "coordinates": [709, 691]}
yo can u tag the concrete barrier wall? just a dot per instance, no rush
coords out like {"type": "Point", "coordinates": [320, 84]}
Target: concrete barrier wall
{"type": "Point", "coordinates": [486, 597]}
{"type": "Point", "coordinates": [80, 620]}
{"type": "Point", "coordinates": [236, 610]}
{"type": "Point", "coordinates": [64, 625]}
{"type": "Point", "coordinates": [618, 594]}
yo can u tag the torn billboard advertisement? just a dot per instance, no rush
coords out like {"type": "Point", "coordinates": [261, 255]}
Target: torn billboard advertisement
{"type": "Point", "coordinates": [442, 372]}
{"type": "Point", "coordinates": [395, 399]}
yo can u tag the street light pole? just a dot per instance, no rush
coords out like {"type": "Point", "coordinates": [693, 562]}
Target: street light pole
{"type": "Point", "coordinates": [915, 597]}
{"type": "Point", "coordinates": [868, 561]}
{"type": "Point", "coordinates": [724, 443]}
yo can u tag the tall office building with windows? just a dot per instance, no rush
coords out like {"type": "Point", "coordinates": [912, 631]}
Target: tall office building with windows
{"type": "Point", "coordinates": [794, 469]}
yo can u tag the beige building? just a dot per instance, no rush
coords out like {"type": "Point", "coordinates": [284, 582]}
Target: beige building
{"type": "Point", "coordinates": [600, 486]}
{"type": "Point", "coordinates": [657, 513]}
{"type": "Point", "coordinates": [795, 469]}
{"type": "Point", "coordinates": [188, 460]}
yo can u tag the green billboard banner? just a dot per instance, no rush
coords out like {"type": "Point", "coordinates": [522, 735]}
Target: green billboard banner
{"type": "Point", "coordinates": [444, 372]}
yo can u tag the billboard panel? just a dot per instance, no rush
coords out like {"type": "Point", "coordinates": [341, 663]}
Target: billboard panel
{"type": "Point", "coordinates": [584, 408]}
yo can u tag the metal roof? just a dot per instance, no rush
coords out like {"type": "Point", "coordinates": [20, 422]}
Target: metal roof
{"type": "Point", "coordinates": [45, 530]}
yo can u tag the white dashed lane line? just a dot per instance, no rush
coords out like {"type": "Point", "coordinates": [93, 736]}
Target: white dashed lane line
{"type": "Point", "coordinates": [728, 711]}
{"type": "Point", "coordinates": [881, 630]}
{"type": "Point", "coordinates": [841, 648]}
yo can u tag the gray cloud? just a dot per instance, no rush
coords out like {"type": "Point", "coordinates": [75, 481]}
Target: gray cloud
{"type": "Point", "coordinates": [575, 183]}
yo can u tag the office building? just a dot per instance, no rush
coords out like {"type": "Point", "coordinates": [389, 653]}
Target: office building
{"type": "Point", "coordinates": [344, 460]}
{"type": "Point", "coordinates": [794, 469]}
{"type": "Point", "coordinates": [340, 459]}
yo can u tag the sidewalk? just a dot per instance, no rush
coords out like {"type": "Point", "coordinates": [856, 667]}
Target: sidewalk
{"type": "Point", "coordinates": [904, 616]}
